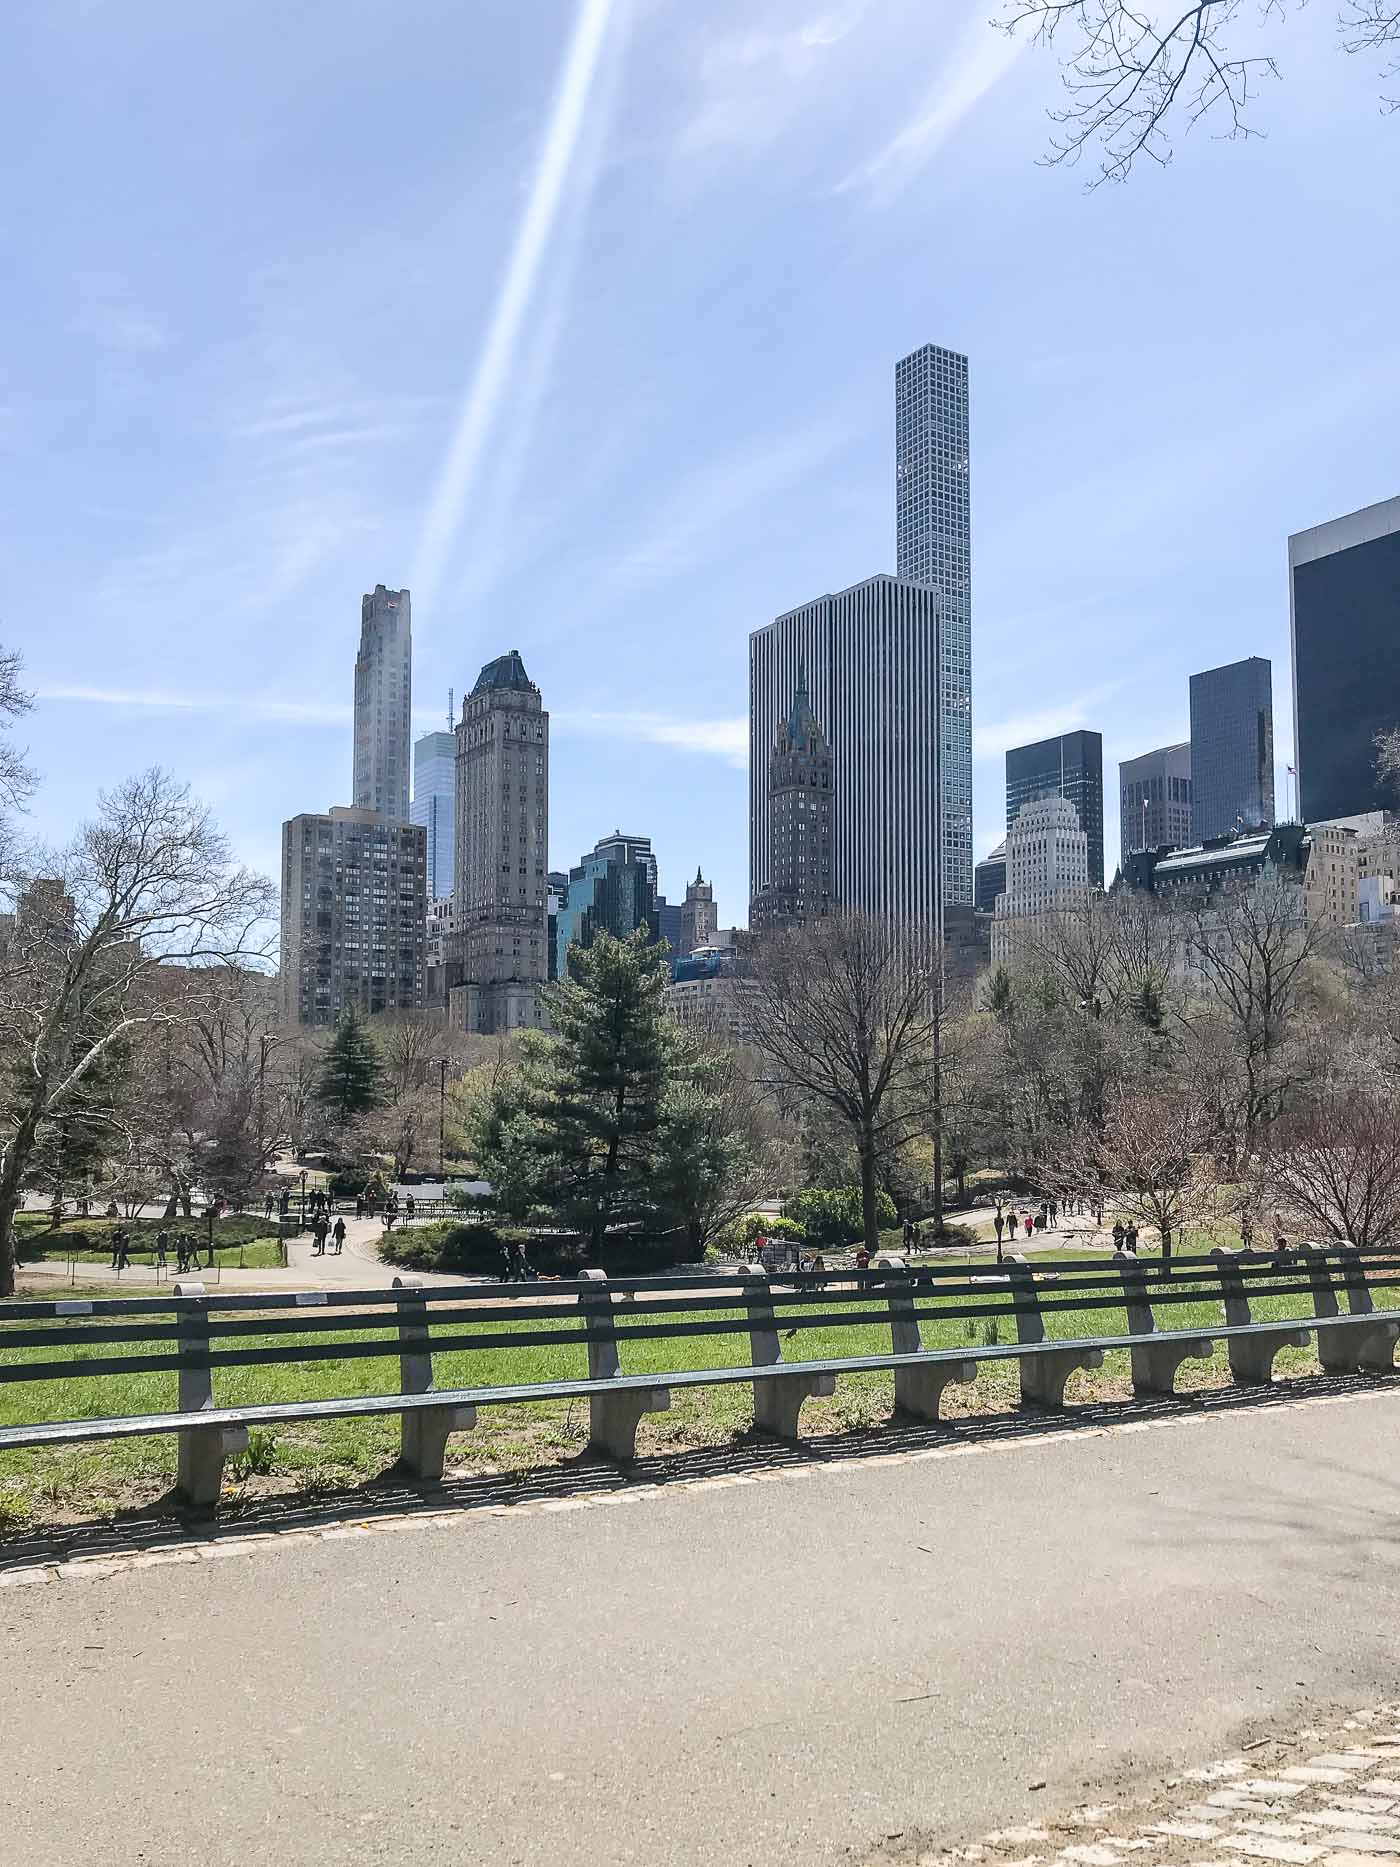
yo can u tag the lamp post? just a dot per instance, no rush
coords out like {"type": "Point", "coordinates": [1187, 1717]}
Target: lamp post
{"type": "Point", "coordinates": [303, 1199]}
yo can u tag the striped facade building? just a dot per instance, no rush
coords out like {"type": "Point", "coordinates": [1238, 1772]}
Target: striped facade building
{"type": "Point", "coordinates": [871, 658]}
{"type": "Point", "coordinates": [933, 546]}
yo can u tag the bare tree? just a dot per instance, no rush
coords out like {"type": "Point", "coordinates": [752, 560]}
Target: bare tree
{"type": "Point", "coordinates": [106, 942]}
{"type": "Point", "coordinates": [1133, 74]}
{"type": "Point", "coordinates": [1336, 1164]}
{"type": "Point", "coordinates": [1151, 1159]}
{"type": "Point", "coordinates": [1387, 744]}
{"type": "Point", "coordinates": [1252, 951]}
{"type": "Point", "coordinates": [845, 1013]}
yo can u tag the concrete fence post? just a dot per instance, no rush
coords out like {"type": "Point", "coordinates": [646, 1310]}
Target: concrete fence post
{"type": "Point", "coordinates": [1375, 1348]}
{"type": "Point", "coordinates": [613, 1419]}
{"type": "Point", "coordinates": [918, 1391]}
{"type": "Point", "coordinates": [777, 1401]}
{"type": "Point", "coordinates": [199, 1466]}
{"type": "Point", "coordinates": [1155, 1364]}
{"type": "Point", "coordinates": [423, 1431]}
{"type": "Point", "coordinates": [1251, 1356]}
{"type": "Point", "coordinates": [1043, 1375]}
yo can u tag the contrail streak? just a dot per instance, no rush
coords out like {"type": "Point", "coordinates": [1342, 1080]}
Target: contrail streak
{"type": "Point", "coordinates": [517, 289]}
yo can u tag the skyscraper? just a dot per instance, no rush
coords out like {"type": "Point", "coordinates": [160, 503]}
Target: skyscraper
{"type": "Point", "coordinates": [383, 703]}
{"type": "Point", "coordinates": [699, 915]}
{"type": "Point", "coordinates": [933, 544]}
{"type": "Point", "coordinates": [1232, 749]}
{"type": "Point", "coordinates": [1069, 765]}
{"type": "Point", "coordinates": [612, 890]}
{"type": "Point", "coordinates": [1154, 800]}
{"type": "Point", "coordinates": [1344, 604]}
{"type": "Point", "coordinates": [502, 841]}
{"type": "Point", "coordinates": [435, 805]}
{"type": "Point", "coordinates": [801, 806]}
{"type": "Point", "coordinates": [1047, 869]}
{"type": "Point", "coordinates": [354, 915]}
{"type": "Point", "coordinates": [871, 659]}
{"type": "Point", "coordinates": [989, 879]}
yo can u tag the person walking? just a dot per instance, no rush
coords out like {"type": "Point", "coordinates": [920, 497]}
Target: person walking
{"type": "Point", "coordinates": [391, 1212]}
{"type": "Point", "coordinates": [507, 1262]}
{"type": "Point", "coordinates": [116, 1243]}
{"type": "Point", "coordinates": [162, 1249]}
{"type": "Point", "coordinates": [359, 1205]}
{"type": "Point", "coordinates": [1029, 1224]}
{"type": "Point", "coordinates": [1054, 1213]}
{"type": "Point", "coordinates": [410, 1206]}
{"type": "Point", "coordinates": [1040, 1219]}
{"type": "Point", "coordinates": [338, 1234]}
{"type": "Point", "coordinates": [1130, 1237]}
{"type": "Point", "coordinates": [1120, 1232]}
{"type": "Point", "coordinates": [269, 1204]}
{"type": "Point", "coordinates": [1246, 1231]}
{"type": "Point", "coordinates": [323, 1226]}
{"type": "Point", "coordinates": [998, 1226]}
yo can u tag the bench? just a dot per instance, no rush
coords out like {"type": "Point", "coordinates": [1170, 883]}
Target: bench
{"type": "Point", "coordinates": [195, 1334]}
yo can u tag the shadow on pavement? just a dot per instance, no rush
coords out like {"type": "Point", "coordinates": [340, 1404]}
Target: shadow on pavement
{"type": "Point", "coordinates": [165, 1523]}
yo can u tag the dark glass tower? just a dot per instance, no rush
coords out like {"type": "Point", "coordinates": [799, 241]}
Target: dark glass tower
{"type": "Point", "coordinates": [1070, 765]}
{"type": "Point", "coordinates": [1232, 749]}
{"type": "Point", "coordinates": [1344, 586]}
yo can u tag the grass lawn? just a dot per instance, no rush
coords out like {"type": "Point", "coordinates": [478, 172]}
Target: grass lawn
{"type": "Point", "coordinates": [59, 1482]}
{"type": "Point", "coordinates": [242, 1239]}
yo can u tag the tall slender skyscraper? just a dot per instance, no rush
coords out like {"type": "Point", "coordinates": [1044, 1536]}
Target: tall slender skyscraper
{"type": "Point", "coordinates": [501, 942]}
{"type": "Point", "coordinates": [1344, 604]}
{"type": "Point", "coordinates": [383, 703]}
{"type": "Point", "coordinates": [871, 659]}
{"type": "Point", "coordinates": [933, 543]}
{"type": "Point", "coordinates": [435, 805]}
{"type": "Point", "coordinates": [1232, 749]}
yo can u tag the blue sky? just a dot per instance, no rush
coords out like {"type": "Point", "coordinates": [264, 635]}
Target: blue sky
{"type": "Point", "coordinates": [582, 321]}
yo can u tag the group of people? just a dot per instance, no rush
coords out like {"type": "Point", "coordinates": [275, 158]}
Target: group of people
{"type": "Point", "coordinates": [1044, 1218]}
{"type": "Point", "coordinates": [515, 1266]}
{"type": "Point", "coordinates": [322, 1229]}
{"type": "Point", "coordinates": [185, 1244]}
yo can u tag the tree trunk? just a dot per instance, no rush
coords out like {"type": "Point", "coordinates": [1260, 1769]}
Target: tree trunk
{"type": "Point", "coordinates": [869, 1209]}
{"type": "Point", "coordinates": [1166, 1246]}
{"type": "Point", "coordinates": [11, 1196]}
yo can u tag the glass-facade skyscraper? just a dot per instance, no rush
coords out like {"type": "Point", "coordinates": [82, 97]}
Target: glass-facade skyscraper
{"type": "Point", "coordinates": [383, 702]}
{"type": "Point", "coordinates": [1344, 591]}
{"type": "Point", "coordinates": [434, 805]}
{"type": "Point", "coordinates": [1232, 749]}
{"type": "Point", "coordinates": [933, 546]}
{"type": "Point", "coordinates": [1069, 765]}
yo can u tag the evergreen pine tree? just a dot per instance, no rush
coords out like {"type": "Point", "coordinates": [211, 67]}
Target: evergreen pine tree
{"type": "Point", "coordinates": [351, 1072]}
{"type": "Point", "coordinates": [576, 1130]}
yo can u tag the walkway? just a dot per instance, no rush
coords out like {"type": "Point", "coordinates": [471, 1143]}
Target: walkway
{"type": "Point", "coordinates": [830, 1662]}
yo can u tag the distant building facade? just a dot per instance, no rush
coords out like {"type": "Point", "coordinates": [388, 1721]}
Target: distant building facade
{"type": "Point", "coordinates": [967, 940]}
{"type": "Point", "coordinates": [989, 880]}
{"type": "Point", "coordinates": [699, 916]}
{"type": "Point", "coordinates": [1232, 749]}
{"type": "Point", "coordinates": [801, 823]}
{"type": "Point", "coordinates": [1332, 877]}
{"type": "Point", "coordinates": [384, 703]}
{"type": "Point", "coordinates": [1047, 870]}
{"type": "Point", "coordinates": [501, 936]}
{"type": "Point", "coordinates": [1225, 865]}
{"type": "Point", "coordinates": [933, 546]}
{"type": "Point", "coordinates": [711, 989]}
{"type": "Point", "coordinates": [871, 660]}
{"type": "Point", "coordinates": [558, 888]}
{"type": "Point", "coordinates": [1154, 800]}
{"type": "Point", "coordinates": [434, 806]}
{"type": "Point", "coordinates": [1344, 607]}
{"type": "Point", "coordinates": [354, 915]}
{"type": "Point", "coordinates": [1070, 765]}
{"type": "Point", "coordinates": [612, 890]}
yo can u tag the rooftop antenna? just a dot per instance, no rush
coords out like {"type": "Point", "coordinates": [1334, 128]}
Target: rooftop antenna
{"type": "Point", "coordinates": [451, 709]}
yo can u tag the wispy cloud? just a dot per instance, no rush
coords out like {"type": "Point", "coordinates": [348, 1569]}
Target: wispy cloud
{"type": "Point", "coordinates": [990, 741]}
{"type": "Point", "coordinates": [981, 57]}
{"type": "Point", "coordinates": [723, 739]}
{"type": "Point", "coordinates": [723, 489]}
{"type": "Point", "coordinates": [532, 241]}
{"type": "Point", "coordinates": [118, 329]}
{"type": "Point", "coordinates": [750, 84]}
{"type": "Point", "coordinates": [156, 699]}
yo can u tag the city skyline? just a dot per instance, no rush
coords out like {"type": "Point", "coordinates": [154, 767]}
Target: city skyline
{"type": "Point", "coordinates": [378, 361]}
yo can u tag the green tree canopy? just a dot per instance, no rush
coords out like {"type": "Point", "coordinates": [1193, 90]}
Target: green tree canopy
{"type": "Point", "coordinates": [351, 1079]}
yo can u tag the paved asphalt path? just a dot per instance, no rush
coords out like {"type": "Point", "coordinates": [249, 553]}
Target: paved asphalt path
{"type": "Point", "coordinates": [786, 1670]}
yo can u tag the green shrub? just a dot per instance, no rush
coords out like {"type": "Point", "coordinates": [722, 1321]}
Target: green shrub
{"type": "Point", "coordinates": [830, 1216]}
{"type": "Point", "coordinates": [736, 1240]}
{"type": "Point", "coordinates": [474, 1250]}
